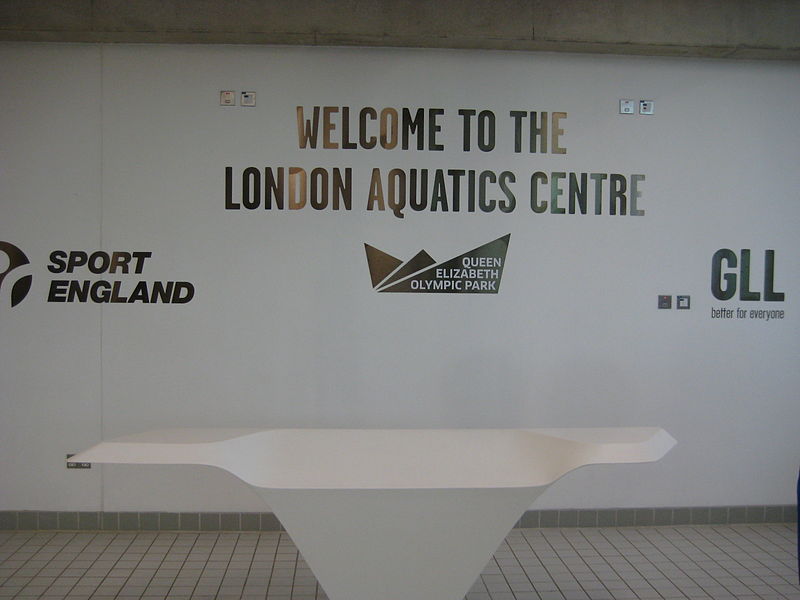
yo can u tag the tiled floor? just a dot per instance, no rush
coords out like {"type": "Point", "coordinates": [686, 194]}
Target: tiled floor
{"type": "Point", "coordinates": [698, 562]}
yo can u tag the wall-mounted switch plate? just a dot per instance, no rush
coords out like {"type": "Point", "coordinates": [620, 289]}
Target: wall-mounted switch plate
{"type": "Point", "coordinates": [77, 465]}
{"type": "Point", "coordinates": [646, 107]}
{"type": "Point", "coordinates": [627, 107]}
{"type": "Point", "coordinates": [227, 98]}
{"type": "Point", "coordinates": [248, 99]}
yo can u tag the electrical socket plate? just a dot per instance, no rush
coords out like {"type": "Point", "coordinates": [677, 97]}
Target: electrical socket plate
{"type": "Point", "coordinates": [227, 98]}
{"type": "Point", "coordinates": [646, 107]}
{"type": "Point", "coordinates": [627, 107]}
{"type": "Point", "coordinates": [248, 99]}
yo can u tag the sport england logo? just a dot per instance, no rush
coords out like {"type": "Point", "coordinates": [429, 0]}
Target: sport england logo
{"type": "Point", "coordinates": [475, 272]}
{"type": "Point", "coordinates": [82, 286]}
{"type": "Point", "coordinates": [16, 258]}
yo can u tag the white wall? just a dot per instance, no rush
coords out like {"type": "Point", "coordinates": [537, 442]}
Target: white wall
{"type": "Point", "coordinates": [123, 148]}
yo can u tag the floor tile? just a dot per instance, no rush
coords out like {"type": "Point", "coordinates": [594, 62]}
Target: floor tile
{"type": "Point", "coordinates": [636, 562]}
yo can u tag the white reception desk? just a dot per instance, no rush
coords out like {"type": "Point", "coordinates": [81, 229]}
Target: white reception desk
{"type": "Point", "coordinates": [393, 514]}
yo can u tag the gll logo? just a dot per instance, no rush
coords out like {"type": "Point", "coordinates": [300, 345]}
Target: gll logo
{"type": "Point", "coordinates": [16, 259]}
